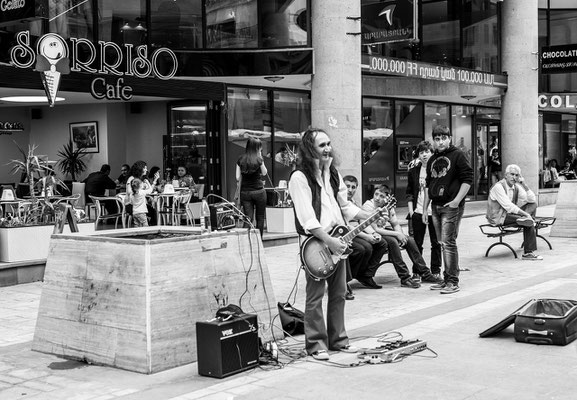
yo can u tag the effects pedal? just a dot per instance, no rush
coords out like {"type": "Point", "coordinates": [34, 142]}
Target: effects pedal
{"type": "Point", "coordinates": [391, 351]}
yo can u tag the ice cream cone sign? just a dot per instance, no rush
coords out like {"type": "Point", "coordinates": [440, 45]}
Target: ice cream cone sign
{"type": "Point", "coordinates": [52, 61]}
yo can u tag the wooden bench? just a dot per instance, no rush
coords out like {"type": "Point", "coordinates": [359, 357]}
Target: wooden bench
{"type": "Point", "coordinates": [500, 231]}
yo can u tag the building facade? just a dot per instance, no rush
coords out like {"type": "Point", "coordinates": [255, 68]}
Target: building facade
{"type": "Point", "coordinates": [186, 82]}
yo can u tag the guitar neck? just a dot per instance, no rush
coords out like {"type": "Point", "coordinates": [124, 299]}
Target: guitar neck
{"type": "Point", "coordinates": [359, 228]}
{"type": "Point", "coordinates": [376, 215]}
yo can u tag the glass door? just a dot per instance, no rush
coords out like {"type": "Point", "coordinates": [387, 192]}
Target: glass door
{"type": "Point", "coordinates": [480, 161]}
{"type": "Point", "coordinates": [186, 152]}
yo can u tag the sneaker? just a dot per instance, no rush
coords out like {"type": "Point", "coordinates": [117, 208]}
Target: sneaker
{"type": "Point", "coordinates": [410, 283]}
{"type": "Point", "coordinates": [450, 288]}
{"type": "Point", "coordinates": [416, 278]}
{"type": "Point", "coordinates": [321, 355]}
{"type": "Point", "coordinates": [437, 276]}
{"type": "Point", "coordinates": [432, 279]}
{"type": "Point", "coordinates": [531, 257]}
{"type": "Point", "coordinates": [349, 294]}
{"type": "Point", "coordinates": [525, 221]}
{"type": "Point", "coordinates": [348, 349]}
{"type": "Point", "coordinates": [439, 286]}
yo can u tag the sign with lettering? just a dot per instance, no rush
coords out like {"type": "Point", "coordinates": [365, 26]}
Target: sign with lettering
{"type": "Point", "coordinates": [390, 21]}
{"type": "Point", "coordinates": [53, 57]}
{"type": "Point", "coordinates": [417, 69]}
{"type": "Point", "coordinates": [18, 10]}
{"type": "Point", "coordinates": [557, 100]}
{"type": "Point", "coordinates": [559, 59]}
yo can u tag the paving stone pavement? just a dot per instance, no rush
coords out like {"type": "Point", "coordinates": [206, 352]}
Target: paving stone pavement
{"type": "Point", "coordinates": [464, 367]}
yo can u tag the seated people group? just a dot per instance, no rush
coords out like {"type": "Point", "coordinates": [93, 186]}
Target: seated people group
{"type": "Point", "coordinates": [392, 233]}
{"type": "Point", "coordinates": [511, 201]}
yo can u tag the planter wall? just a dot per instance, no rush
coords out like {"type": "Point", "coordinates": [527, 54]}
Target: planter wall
{"type": "Point", "coordinates": [133, 302]}
{"type": "Point", "coordinates": [30, 243]}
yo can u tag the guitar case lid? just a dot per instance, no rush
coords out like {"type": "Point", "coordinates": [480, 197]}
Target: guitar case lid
{"type": "Point", "coordinates": [504, 323]}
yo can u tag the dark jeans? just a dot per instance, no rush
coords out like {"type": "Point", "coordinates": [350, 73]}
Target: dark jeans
{"type": "Point", "coordinates": [366, 257]}
{"type": "Point", "coordinates": [446, 221]}
{"type": "Point", "coordinates": [529, 232]}
{"type": "Point", "coordinates": [254, 204]}
{"type": "Point", "coordinates": [419, 230]}
{"type": "Point", "coordinates": [396, 258]}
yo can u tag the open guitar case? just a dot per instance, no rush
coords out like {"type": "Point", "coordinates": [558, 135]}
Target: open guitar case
{"type": "Point", "coordinates": [541, 321]}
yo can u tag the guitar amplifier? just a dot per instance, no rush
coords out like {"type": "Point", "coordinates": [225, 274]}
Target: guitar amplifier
{"type": "Point", "coordinates": [227, 347]}
{"type": "Point", "coordinates": [222, 216]}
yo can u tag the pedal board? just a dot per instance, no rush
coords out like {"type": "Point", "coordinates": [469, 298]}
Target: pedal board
{"type": "Point", "coordinates": [390, 351]}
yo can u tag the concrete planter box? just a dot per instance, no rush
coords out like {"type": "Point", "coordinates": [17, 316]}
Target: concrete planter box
{"type": "Point", "coordinates": [280, 220]}
{"type": "Point", "coordinates": [130, 298]}
{"type": "Point", "coordinates": [24, 243]}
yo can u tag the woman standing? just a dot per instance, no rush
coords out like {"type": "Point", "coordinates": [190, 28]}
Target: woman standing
{"type": "Point", "coordinates": [250, 167]}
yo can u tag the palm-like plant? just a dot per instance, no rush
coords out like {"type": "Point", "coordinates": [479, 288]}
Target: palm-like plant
{"type": "Point", "coordinates": [71, 162]}
{"type": "Point", "coordinates": [31, 164]}
{"type": "Point", "coordinates": [35, 166]}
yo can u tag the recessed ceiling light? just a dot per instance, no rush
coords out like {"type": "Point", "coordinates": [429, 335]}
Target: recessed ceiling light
{"type": "Point", "coordinates": [28, 99]}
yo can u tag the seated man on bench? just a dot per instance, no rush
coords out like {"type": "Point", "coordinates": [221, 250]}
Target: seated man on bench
{"type": "Point", "coordinates": [510, 202]}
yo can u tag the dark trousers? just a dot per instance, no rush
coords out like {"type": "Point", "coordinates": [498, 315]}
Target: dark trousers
{"type": "Point", "coordinates": [529, 232]}
{"type": "Point", "coordinates": [254, 204]}
{"type": "Point", "coordinates": [333, 335]}
{"type": "Point", "coordinates": [396, 258]}
{"type": "Point", "coordinates": [419, 231]}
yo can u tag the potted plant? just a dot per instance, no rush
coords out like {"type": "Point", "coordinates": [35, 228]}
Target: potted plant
{"type": "Point", "coordinates": [70, 162]}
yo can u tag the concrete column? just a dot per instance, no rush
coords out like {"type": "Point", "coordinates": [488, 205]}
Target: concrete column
{"type": "Point", "coordinates": [336, 83]}
{"type": "Point", "coordinates": [520, 113]}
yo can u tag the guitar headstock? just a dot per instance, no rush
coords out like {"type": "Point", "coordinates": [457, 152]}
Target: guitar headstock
{"type": "Point", "coordinates": [390, 202]}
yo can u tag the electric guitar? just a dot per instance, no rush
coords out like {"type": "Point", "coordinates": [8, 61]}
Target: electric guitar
{"type": "Point", "coordinates": [316, 257]}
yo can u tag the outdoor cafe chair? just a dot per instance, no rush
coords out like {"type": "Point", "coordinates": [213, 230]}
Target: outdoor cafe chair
{"type": "Point", "coordinates": [102, 214]}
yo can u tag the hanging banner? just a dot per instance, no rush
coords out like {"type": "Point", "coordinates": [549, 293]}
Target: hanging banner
{"type": "Point", "coordinates": [388, 21]}
{"type": "Point", "coordinates": [559, 59]}
{"type": "Point", "coordinates": [14, 11]}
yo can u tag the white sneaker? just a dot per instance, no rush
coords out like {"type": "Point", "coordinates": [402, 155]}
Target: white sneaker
{"type": "Point", "coordinates": [531, 257]}
{"type": "Point", "coordinates": [321, 355]}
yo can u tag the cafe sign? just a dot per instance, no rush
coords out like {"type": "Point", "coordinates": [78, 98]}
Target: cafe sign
{"type": "Point", "coordinates": [388, 21]}
{"type": "Point", "coordinates": [53, 57]}
{"type": "Point", "coordinates": [15, 11]}
{"type": "Point", "coordinates": [422, 70]}
{"type": "Point", "coordinates": [559, 59]}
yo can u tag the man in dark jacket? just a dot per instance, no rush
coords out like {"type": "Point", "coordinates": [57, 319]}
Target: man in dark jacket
{"type": "Point", "coordinates": [415, 192]}
{"type": "Point", "coordinates": [449, 177]}
{"type": "Point", "coordinates": [96, 185]}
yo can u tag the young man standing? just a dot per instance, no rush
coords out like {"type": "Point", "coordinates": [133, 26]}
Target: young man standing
{"type": "Point", "coordinates": [320, 203]}
{"type": "Point", "coordinates": [449, 177]}
{"type": "Point", "coordinates": [415, 197]}
{"type": "Point", "coordinates": [397, 240]}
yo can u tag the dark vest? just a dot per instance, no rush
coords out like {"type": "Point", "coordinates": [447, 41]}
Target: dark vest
{"type": "Point", "coordinates": [316, 193]}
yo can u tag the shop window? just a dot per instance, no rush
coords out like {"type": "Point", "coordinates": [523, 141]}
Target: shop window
{"type": "Point", "coordinates": [188, 144]}
{"type": "Point", "coordinates": [284, 23]}
{"type": "Point", "coordinates": [292, 116]}
{"type": "Point", "coordinates": [249, 115]}
{"type": "Point", "coordinates": [462, 132]}
{"type": "Point", "coordinates": [231, 24]}
{"type": "Point", "coordinates": [563, 30]}
{"type": "Point", "coordinates": [435, 114]}
{"type": "Point", "coordinates": [378, 145]}
{"type": "Point", "coordinates": [176, 24]}
{"type": "Point", "coordinates": [122, 22]}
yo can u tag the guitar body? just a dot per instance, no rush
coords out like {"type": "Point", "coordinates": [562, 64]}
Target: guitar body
{"type": "Point", "coordinates": [317, 258]}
